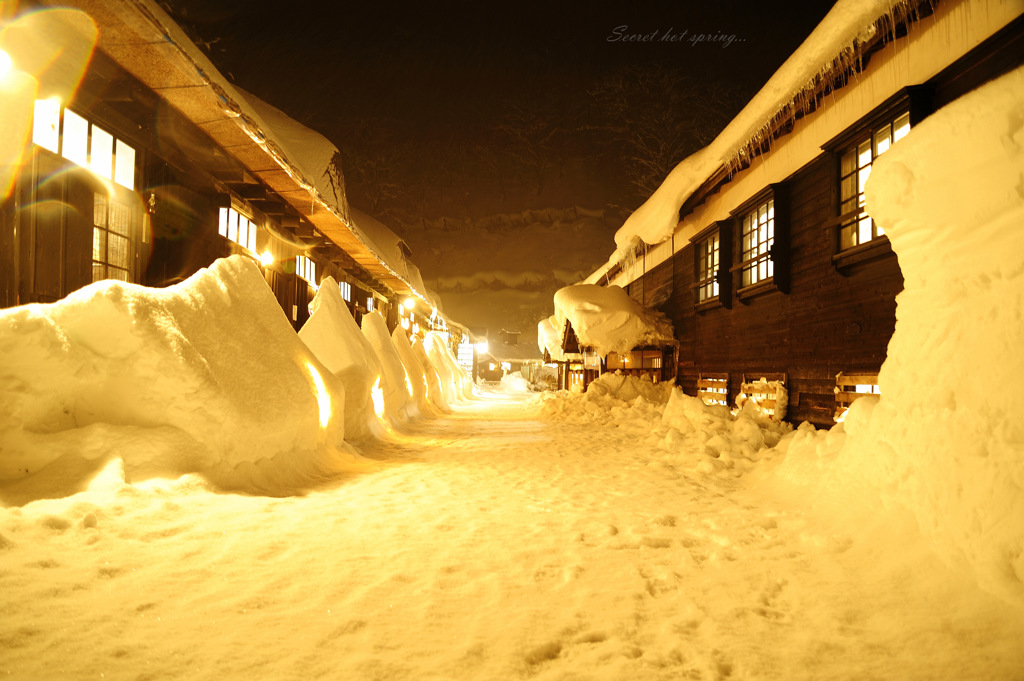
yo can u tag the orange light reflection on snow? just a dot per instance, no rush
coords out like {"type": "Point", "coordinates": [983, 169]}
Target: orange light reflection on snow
{"type": "Point", "coordinates": [323, 398]}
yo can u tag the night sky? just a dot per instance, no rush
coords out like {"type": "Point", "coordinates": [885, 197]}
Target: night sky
{"type": "Point", "coordinates": [463, 110]}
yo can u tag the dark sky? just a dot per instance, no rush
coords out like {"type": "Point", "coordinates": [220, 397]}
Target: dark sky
{"type": "Point", "coordinates": [469, 108]}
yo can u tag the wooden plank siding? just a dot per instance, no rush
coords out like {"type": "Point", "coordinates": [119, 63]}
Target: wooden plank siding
{"type": "Point", "coordinates": [830, 321]}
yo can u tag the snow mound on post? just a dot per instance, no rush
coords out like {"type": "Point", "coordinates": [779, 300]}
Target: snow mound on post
{"type": "Point", "coordinates": [608, 320]}
{"type": "Point", "coordinates": [334, 337]}
{"type": "Point", "coordinates": [435, 393]}
{"type": "Point", "coordinates": [549, 338]}
{"type": "Point", "coordinates": [393, 378]}
{"type": "Point", "coordinates": [206, 376]}
{"type": "Point", "coordinates": [947, 435]}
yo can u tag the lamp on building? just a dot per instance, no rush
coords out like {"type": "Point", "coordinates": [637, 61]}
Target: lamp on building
{"type": "Point", "coordinates": [266, 258]}
{"type": "Point", "coordinates": [409, 303]}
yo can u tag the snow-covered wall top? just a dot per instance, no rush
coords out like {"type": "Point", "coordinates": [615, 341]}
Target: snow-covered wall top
{"type": "Point", "coordinates": [608, 320]}
{"type": "Point", "coordinates": [389, 246]}
{"type": "Point", "coordinates": [834, 43]}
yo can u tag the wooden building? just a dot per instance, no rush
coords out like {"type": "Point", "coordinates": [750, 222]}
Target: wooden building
{"type": "Point", "coordinates": [151, 165]}
{"type": "Point", "coordinates": [774, 269]}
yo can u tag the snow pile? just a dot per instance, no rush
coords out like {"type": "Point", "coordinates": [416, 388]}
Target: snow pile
{"type": "Point", "coordinates": [205, 376]}
{"type": "Point", "coordinates": [549, 338]}
{"type": "Point", "coordinates": [414, 371]}
{"type": "Point", "coordinates": [394, 384]}
{"type": "Point", "coordinates": [947, 435]}
{"type": "Point", "coordinates": [629, 401]}
{"type": "Point", "coordinates": [435, 384]}
{"type": "Point", "coordinates": [459, 382]}
{"type": "Point", "coordinates": [514, 383]}
{"type": "Point", "coordinates": [608, 320]}
{"type": "Point", "coordinates": [628, 388]}
{"type": "Point", "coordinates": [334, 337]}
{"type": "Point", "coordinates": [763, 391]}
{"type": "Point", "coordinates": [725, 443]}
{"type": "Point", "coordinates": [545, 378]}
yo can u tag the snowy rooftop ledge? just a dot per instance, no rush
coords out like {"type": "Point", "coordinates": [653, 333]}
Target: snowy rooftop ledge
{"type": "Point", "coordinates": [607, 319]}
{"type": "Point", "coordinates": [833, 44]}
{"type": "Point", "coordinates": [307, 157]}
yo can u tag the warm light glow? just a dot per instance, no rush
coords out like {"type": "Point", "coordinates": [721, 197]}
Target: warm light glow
{"type": "Point", "coordinates": [409, 303]}
{"type": "Point", "coordinates": [482, 347]}
{"type": "Point", "coordinates": [266, 258]}
{"type": "Point", "coordinates": [5, 63]}
{"type": "Point", "coordinates": [408, 385]}
{"type": "Point", "coordinates": [323, 399]}
{"type": "Point", "coordinates": [377, 395]}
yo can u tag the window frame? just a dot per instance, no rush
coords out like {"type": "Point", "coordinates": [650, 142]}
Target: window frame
{"type": "Point", "coordinates": [702, 278]}
{"type": "Point", "coordinates": [916, 103]}
{"type": "Point", "coordinates": [776, 253]}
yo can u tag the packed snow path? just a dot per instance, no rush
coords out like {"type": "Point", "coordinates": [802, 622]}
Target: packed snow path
{"type": "Point", "coordinates": [488, 545]}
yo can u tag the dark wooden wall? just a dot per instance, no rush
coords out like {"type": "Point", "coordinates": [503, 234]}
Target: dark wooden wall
{"type": "Point", "coordinates": [830, 321]}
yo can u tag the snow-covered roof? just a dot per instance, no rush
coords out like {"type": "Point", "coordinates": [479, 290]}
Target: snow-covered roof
{"type": "Point", "coordinates": [300, 165]}
{"type": "Point", "coordinates": [609, 320]}
{"type": "Point", "coordinates": [834, 44]}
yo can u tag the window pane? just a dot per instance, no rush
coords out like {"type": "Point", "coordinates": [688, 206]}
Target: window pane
{"type": "Point", "coordinates": [99, 210]}
{"type": "Point", "coordinates": [76, 138]}
{"type": "Point", "coordinates": [124, 165]}
{"type": "Point", "coordinates": [99, 271]}
{"type": "Point", "coordinates": [222, 222]}
{"type": "Point", "coordinates": [846, 236]}
{"type": "Point", "coordinates": [882, 139]}
{"type": "Point", "coordinates": [117, 251]}
{"type": "Point", "coordinates": [233, 225]}
{"type": "Point", "coordinates": [864, 230]}
{"type": "Point", "coordinates": [847, 163]}
{"type": "Point", "coordinates": [114, 273]}
{"type": "Point", "coordinates": [864, 154]}
{"type": "Point", "coordinates": [99, 245]}
{"type": "Point", "coordinates": [848, 188]}
{"type": "Point", "coordinates": [862, 177]}
{"type": "Point", "coordinates": [46, 125]}
{"type": "Point", "coordinates": [252, 237]}
{"type": "Point", "coordinates": [901, 127]}
{"type": "Point", "coordinates": [101, 153]}
{"type": "Point", "coordinates": [120, 219]}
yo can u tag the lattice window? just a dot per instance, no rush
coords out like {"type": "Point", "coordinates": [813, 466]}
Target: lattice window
{"type": "Point", "coordinates": [855, 166]}
{"type": "Point", "coordinates": [111, 239]}
{"type": "Point", "coordinates": [707, 268]}
{"type": "Point", "coordinates": [757, 239]}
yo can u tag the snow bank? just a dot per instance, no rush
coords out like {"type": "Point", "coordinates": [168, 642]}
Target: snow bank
{"type": "Point", "coordinates": [334, 337]}
{"type": "Point", "coordinates": [947, 436]}
{"type": "Point", "coordinates": [630, 401]}
{"type": "Point", "coordinates": [435, 393]}
{"type": "Point", "coordinates": [711, 440]}
{"type": "Point", "coordinates": [514, 383]}
{"type": "Point", "coordinates": [205, 376]}
{"type": "Point", "coordinates": [414, 371]}
{"type": "Point", "coordinates": [394, 383]}
{"type": "Point", "coordinates": [608, 320]}
{"type": "Point", "coordinates": [726, 443]}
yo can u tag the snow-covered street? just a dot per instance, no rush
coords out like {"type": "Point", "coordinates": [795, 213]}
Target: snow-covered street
{"type": "Point", "coordinates": [495, 543]}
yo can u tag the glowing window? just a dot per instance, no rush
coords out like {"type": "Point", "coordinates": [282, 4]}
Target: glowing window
{"type": "Point", "coordinates": [346, 291]}
{"type": "Point", "coordinates": [305, 268]}
{"type": "Point", "coordinates": [75, 143]}
{"type": "Point", "coordinates": [758, 237]}
{"type": "Point", "coordinates": [124, 165]}
{"type": "Point", "coordinates": [46, 124]}
{"type": "Point", "coordinates": [707, 268]}
{"type": "Point", "coordinates": [111, 239]}
{"type": "Point", "coordinates": [854, 169]}
{"type": "Point", "coordinates": [101, 152]}
{"type": "Point", "coordinates": [236, 227]}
